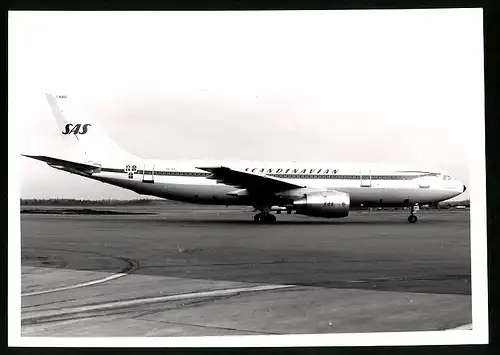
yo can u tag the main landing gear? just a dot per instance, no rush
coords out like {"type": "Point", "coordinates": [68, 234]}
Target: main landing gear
{"type": "Point", "coordinates": [412, 218]}
{"type": "Point", "coordinates": [264, 217]}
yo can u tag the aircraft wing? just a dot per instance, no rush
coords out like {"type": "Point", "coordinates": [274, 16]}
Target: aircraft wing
{"type": "Point", "coordinates": [250, 181]}
{"type": "Point", "coordinates": [66, 164]}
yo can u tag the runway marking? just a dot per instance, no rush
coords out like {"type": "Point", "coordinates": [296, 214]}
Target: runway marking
{"type": "Point", "coordinates": [207, 326]}
{"type": "Point", "coordinates": [462, 327]}
{"type": "Point", "coordinates": [152, 300]}
{"type": "Point", "coordinates": [133, 266]}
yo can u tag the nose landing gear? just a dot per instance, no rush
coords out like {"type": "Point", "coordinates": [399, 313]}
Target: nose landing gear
{"type": "Point", "coordinates": [412, 218]}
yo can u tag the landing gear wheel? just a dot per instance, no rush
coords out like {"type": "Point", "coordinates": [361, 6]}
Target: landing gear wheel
{"type": "Point", "coordinates": [412, 218]}
{"type": "Point", "coordinates": [264, 218]}
{"type": "Point", "coordinates": [270, 218]}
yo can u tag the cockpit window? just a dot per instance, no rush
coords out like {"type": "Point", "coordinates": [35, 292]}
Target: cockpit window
{"type": "Point", "coordinates": [446, 177]}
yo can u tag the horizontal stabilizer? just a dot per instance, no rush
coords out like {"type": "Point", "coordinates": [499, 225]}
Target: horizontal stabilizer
{"type": "Point", "coordinates": [66, 164]}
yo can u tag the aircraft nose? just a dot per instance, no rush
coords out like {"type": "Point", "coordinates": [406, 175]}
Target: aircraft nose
{"type": "Point", "coordinates": [465, 188]}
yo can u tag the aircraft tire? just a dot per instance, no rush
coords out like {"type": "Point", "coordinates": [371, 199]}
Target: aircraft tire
{"type": "Point", "coordinates": [264, 218]}
{"type": "Point", "coordinates": [412, 218]}
{"type": "Point", "coordinates": [270, 218]}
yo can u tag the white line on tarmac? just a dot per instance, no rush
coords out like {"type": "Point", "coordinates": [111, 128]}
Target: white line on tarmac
{"type": "Point", "coordinates": [83, 284]}
{"type": "Point", "coordinates": [152, 300]}
{"type": "Point", "coordinates": [462, 327]}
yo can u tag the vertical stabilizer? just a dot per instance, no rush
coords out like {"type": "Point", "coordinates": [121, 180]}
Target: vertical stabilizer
{"type": "Point", "coordinates": [85, 136]}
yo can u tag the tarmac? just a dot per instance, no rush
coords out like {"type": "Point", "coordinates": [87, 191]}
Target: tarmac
{"type": "Point", "coordinates": [202, 271]}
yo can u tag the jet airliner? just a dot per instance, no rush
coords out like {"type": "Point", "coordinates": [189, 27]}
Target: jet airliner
{"type": "Point", "coordinates": [327, 190]}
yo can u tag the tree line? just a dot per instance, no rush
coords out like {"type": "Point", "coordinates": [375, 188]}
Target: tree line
{"type": "Point", "coordinates": [143, 202]}
{"type": "Point", "coordinates": [451, 204]}
{"type": "Point", "coordinates": [76, 202]}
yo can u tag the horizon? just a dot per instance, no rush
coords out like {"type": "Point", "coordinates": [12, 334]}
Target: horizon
{"type": "Point", "coordinates": [152, 198]}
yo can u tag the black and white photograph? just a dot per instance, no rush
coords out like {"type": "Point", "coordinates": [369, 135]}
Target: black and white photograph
{"type": "Point", "coordinates": [247, 178]}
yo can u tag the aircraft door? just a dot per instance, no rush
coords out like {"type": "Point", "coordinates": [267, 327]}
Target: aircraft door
{"type": "Point", "coordinates": [148, 173]}
{"type": "Point", "coordinates": [365, 178]}
{"type": "Point", "coordinates": [423, 183]}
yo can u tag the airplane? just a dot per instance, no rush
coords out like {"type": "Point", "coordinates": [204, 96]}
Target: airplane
{"type": "Point", "coordinates": [326, 190]}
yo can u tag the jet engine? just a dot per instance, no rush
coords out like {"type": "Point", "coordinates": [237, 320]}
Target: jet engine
{"type": "Point", "coordinates": [323, 204]}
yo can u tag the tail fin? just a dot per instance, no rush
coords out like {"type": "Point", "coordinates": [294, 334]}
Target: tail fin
{"type": "Point", "coordinates": [85, 135]}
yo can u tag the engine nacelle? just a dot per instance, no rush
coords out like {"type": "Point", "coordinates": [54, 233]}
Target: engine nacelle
{"type": "Point", "coordinates": [323, 204]}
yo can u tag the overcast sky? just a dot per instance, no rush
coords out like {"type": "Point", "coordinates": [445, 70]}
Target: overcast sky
{"type": "Point", "coordinates": [378, 86]}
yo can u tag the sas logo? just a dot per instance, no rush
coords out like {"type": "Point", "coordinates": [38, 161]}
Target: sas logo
{"type": "Point", "coordinates": [75, 129]}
